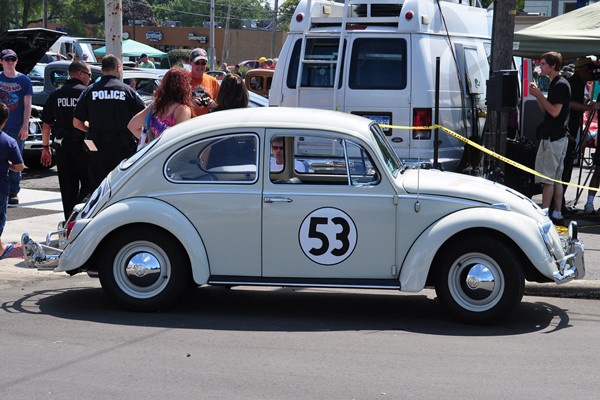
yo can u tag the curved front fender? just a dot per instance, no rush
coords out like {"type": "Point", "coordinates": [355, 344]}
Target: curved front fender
{"type": "Point", "coordinates": [87, 234]}
{"type": "Point", "coordinates": [522, 230]}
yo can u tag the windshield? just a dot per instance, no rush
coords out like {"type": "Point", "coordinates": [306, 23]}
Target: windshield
{"type": "Point", "coordinates": [391, 161]}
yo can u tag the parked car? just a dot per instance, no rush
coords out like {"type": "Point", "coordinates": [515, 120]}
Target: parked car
{"type": "Point", "coordinates": [249, 64]}
{"type": "Point", "coordinates": [259, 81]}
{"type": "Point", "coordinates": [36, 75]}
{"type": "Point", "coordinates": [55, 75]}
{"type": "Point", "coordinates": [218, 75]}
{"type": "Point", "coordinates": [201, 205]}
{"type": "Point", "coordinates": [31, 46]}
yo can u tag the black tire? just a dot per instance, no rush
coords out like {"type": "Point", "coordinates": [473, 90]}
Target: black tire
{"type": "Point", "coordinates": [157, 277]}
{"type": "Point", "coordinates": [479, 280]}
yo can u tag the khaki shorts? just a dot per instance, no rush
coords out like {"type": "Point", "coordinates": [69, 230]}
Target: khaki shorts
{"type": "Point", "coordinates": [549, 160]}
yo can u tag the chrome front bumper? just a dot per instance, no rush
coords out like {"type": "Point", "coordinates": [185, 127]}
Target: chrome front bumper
{"type": "Point", "coordinates": [572, 265]}
{"type": "Point", "coordinates": [44, 257]}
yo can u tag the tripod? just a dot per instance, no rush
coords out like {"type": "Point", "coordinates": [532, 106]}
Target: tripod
{"type": "Point", "coordinates": [581, 156]}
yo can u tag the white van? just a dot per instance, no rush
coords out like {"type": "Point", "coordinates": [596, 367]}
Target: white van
{"type": "Point", "coordinates": [78, 46]}
{"type": "Point", "coordinates": [387, 67]}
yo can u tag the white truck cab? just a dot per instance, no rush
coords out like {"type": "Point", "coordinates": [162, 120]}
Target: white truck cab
{"type": "Point", "coordinates": [382, 54]}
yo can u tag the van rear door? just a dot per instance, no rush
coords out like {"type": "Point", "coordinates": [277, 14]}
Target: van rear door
{"type": "Point", "coordinates": [315, 89]}
{"type": "Point", "coordinates": [377, 84]}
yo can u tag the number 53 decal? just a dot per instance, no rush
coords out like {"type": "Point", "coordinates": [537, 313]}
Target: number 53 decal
{"type": "Point", "coordinates": [328, 236]}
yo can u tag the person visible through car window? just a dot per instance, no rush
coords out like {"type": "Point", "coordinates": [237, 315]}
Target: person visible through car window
{"type": "Point", "coordinates": [277, 157]}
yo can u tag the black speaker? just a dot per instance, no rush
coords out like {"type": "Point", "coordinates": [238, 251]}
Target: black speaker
{"type": "Point", "coordinates": [502, 91]}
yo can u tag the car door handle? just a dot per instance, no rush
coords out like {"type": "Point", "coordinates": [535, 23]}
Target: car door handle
{"type": "Point", "coordinates": [277, 200]}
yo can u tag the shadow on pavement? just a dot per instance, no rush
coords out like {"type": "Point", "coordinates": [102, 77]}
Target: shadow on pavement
{"type": "Point", "coordinates": [289, 310]}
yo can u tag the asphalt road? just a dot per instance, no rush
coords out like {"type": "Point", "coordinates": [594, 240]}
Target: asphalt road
{"type": "Point", "coordinates": [63, 339]}
{"type": "Point", "coordinates": [40, 179]}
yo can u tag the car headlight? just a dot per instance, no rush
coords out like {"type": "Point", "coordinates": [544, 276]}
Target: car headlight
{"type": "Point", "coordinates": [33, 127]}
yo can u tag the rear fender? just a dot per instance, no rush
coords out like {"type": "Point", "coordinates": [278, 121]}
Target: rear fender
{"type": "Point", "coordinates": [135, 211]}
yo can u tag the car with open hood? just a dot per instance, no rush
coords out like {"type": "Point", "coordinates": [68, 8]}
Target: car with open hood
{"type": "Point", "coordinates": [31, 46]}
{"type": "Point", "coordinates": [304, 198]}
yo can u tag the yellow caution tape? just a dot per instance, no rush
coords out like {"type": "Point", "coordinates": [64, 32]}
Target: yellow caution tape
{"type": "Point", "coordinates": [489, 152]}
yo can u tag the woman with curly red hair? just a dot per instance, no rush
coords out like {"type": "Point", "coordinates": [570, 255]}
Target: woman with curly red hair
{"type": "Point", "coordinates": [172, 104]}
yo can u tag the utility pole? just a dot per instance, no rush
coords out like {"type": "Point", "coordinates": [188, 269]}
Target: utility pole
{"type": "Point", "coordinates": [502, 47]}
{"type": "Point", "coordinates": [211, 50]}
{"type": "Point", "coordinates": [45, 15]}
{"type": "Point", "coordinates": [274, 28]}
{"type": "Point", "coordinates": [113, 21]}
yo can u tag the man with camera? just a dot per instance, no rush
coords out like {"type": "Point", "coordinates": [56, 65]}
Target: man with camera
{"type": "Point", "coordinates": [204, 87]}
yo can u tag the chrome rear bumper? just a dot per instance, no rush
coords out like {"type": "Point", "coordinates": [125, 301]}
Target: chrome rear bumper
{"type": "Point", "coordinates": [44, 257]}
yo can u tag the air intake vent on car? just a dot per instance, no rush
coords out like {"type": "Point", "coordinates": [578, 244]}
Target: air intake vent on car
{"type": "Point", "coordinates": [379, 10]}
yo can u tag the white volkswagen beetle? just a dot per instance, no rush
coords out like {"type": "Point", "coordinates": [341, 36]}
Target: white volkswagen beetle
{"type": "Point", "coordinates": [303, 197]}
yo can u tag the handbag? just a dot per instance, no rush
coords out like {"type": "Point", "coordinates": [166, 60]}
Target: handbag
{"type": "Point", "coordinates": [145, 136]}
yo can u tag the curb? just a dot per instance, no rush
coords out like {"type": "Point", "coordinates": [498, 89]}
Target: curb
{"type": "Point", "coordinates": [580, 289]}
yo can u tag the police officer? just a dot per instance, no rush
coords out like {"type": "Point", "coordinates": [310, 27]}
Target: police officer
{"type": "Point", "coordinates": [103, 111]}
{"type": "Point", "coordinates": [72, 159]}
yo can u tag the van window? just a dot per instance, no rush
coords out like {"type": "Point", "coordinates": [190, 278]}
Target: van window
{"type": "Point", "coordinates": [378, 64]}
{"type": "Point", "coordinates": [319, 67]}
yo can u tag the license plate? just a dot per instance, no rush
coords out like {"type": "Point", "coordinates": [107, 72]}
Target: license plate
{"type": "Point", "coordinates": [380, 119]}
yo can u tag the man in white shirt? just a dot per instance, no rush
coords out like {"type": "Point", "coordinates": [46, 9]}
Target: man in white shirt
{"type": "Point", "coordinates": [277, 157]}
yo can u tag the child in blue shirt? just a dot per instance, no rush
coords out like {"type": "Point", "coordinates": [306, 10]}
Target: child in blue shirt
{"type": "Point", "coordinates": [10, 159]}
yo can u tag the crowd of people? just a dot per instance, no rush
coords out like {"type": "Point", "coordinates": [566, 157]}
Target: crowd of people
{"type": "Point", "coordinates": [95, 126]}
{"type": "Point", "coordinates": [92, 127]}
{"type": "Point", "coordinates": [564, 107]}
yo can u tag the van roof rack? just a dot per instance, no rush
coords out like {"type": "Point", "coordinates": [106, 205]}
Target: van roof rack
{"type": "Point", "coordinates": [329, 13]}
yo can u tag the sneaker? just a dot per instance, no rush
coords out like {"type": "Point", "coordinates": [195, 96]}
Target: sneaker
{"type": "Point", "coordinates": [589, 208]}
{"type": "Point", "coordinates": [558, 221]}
{"type": "Point", "coordinates": [13, 200]}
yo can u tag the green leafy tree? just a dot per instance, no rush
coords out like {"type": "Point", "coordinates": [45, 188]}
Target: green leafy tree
{"type": "Point", "coordinates": [285, 13]}
{"type": "Point", "coordinates": [520, 4]}
{"type": "Point", "coordinates": [230, 13]}
{"type": "Point", "coordinates": [138, 10]}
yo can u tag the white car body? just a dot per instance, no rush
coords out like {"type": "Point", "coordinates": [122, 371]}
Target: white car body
{"type": "Point", "coordinates": [356, 217]}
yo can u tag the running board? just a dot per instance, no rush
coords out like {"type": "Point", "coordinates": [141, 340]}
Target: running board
{"type": "Point", "coordinates": [308, 282]}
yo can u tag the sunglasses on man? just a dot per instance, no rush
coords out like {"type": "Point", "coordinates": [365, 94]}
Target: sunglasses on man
{"type": "Point", "coordinates": [200, 62]}
{"type": "Point", "coordinates": [10, 59]}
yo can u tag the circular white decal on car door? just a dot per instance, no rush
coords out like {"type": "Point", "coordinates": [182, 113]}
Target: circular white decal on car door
{"type": "Point", "coordinates": [328, 236]}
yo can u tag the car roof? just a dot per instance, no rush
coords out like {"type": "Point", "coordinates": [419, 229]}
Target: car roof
{"type": "Point", "coordinates": [273, 117]}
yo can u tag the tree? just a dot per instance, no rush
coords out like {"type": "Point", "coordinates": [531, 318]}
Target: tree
{"type": "Point", "coordinates": [285, 14]}
{"type": "Point", "coordinates": [138, 10]}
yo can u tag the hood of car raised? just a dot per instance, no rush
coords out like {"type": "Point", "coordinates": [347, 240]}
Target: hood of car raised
{"type": "Point", "coordinates": [30, 45]}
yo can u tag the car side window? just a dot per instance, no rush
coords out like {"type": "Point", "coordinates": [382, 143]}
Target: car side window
{"type": "Point", "coordinates": [319, 160]}
{"type": "Point", "coordinates": [226, 159]}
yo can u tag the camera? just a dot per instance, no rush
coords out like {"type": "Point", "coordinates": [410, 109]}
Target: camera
{"type": "Point", "coordinates": [201, 97]}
